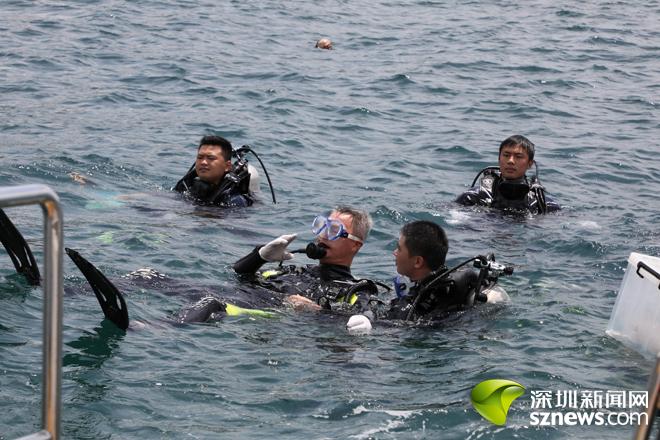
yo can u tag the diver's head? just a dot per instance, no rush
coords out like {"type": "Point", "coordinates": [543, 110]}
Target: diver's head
{"type": "Point", "coordinates": [213, 159]}
{"type": "Point", "coordinates": [341, 234]}
{"type": "Point", "coordinates": [516, 157]}
{"type": "Point", "coordinates": [422, 248]}
{"type": "Point", "coordinates": [324, 43]}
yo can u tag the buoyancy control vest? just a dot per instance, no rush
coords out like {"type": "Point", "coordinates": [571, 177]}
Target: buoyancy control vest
{"type": "Point", "coordinates": [526, 194]}
{"type": "Point", "coordinates": [239, 183]}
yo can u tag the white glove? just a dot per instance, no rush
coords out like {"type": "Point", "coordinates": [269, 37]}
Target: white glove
{"type": "Point", "coordinates": [276, 249]}
{"type": "Point", "coordinates": [358, 325]}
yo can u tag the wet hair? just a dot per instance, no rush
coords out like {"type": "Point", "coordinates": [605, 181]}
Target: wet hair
{"type": "Point", "coordinates": [519, 140]}
{"type": "Point", "coordinates": [218, 141]}
{"type": "Point", "coordinates": [428, 240]}
{"type": "Point", "coordinates": [361, 222]}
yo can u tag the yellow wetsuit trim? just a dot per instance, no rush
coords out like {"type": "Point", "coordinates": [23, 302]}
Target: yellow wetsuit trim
{"type": "Point", "coordinates": [233, 310]}
{"type": "Point", "coordinates": [270, 273]}
{"type": "Point", "coordinates": [352, 300]}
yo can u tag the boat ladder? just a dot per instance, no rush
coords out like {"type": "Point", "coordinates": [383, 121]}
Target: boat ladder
{"type": "Point", "coordinates": [52, 285]}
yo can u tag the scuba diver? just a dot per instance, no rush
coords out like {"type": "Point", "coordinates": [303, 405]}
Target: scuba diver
{"type": "Point", "coordinates": [317, 287]}
{"type": "Point", "coordinates": [506, 186]}
{"type": "Point", "coordinates": [436, 290]}
{"type": "Point", "coordinates": [326, 286]}
{"type": "Point", "coordinates": [329, 285]}
{"type": "Point", "coordinates": [214, 180]}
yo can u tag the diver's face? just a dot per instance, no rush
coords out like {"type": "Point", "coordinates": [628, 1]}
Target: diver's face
{"type": "Point", "coordinates": [342, 250]}
{"type": "Point", "coordinates": [514, 162]}
{"type": "Point", "coordinates": [407, 264]}
{"type": "Point", "coordinates": [404, 261]}
{"type": "Point", "coordinates": [210, 164]}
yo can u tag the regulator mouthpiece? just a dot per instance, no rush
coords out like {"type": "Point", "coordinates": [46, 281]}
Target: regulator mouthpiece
{"type": "Point", "coordinates": [314, 251]}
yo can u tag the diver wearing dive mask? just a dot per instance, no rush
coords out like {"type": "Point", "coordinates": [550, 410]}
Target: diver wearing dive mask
{"type": "Point", "coordinates": [506, 186]}
{"type": "Point", "coordinates": [340, 236]}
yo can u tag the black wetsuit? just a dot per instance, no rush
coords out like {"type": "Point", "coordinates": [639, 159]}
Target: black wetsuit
{"type": "Point", "coordinates": [517, 195]}
{"type": "Point", "coordinates": [330, 285]}
{"type": "Point", "coordinates": [438, 298]}
{"type": "Point", "coordinates": [229, 192]}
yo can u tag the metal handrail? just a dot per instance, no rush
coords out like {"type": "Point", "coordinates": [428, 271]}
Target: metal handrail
{"type": "Point", "coordinates": [52, 332]}
{"type": "Point", "coordinates": [644, 429]}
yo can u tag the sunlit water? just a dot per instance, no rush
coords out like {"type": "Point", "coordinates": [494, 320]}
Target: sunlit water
{"type": "Point", "coordinates": [397, 119]}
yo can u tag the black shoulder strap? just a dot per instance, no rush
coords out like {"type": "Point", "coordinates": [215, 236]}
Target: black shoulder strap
{"type": "Point", "coordinates": [236, 181]}
{"type": "Point", "coordinates": [18, 250]}
{"type": "Point", "coordinates": [492, 170]}
{"type": "Point", "coordinates": [109, 297]}
{"type": "Point", "coordinates": [186, 181]}
{"type": "Point", "coordinates": [539, 193]}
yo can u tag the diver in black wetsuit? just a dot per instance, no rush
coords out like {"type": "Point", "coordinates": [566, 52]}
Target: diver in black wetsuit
{"type": "Point", "coordinates": [507, 187]}
{"type": "Point", "coordinates": [328, 285]}
{"type": "Point", "coordinates": [211, 181]}
{"type": "Point", "coordinates": [436, 291]}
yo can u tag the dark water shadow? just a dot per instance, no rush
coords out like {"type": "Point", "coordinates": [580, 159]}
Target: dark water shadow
{"type": "Point", "coordinates": [15, 286]}
{"type": "Point", "coordinates": [94, 348]}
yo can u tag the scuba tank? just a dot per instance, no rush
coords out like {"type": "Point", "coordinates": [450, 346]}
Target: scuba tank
{"type": "Point", "coordinates": [239, 180]}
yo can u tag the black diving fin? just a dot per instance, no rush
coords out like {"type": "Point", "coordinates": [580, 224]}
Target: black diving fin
{"type": "Point", "coordinates": [18, 250]}
{"type": "Point", "coordinates": [110, 298]}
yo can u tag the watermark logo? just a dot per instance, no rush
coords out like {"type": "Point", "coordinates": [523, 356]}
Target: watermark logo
{"type": "Point", "coordinates": [588, 407]}
{"type": "Point", "coordinates": [492, 398]}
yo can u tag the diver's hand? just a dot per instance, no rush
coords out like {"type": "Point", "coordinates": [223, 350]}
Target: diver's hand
{"type": "Point", "coordinates": [358, 325]}
{"type": "Point", "coordinates": [276, 249]}
{"type": "Point", "coordinates": [300, 303]}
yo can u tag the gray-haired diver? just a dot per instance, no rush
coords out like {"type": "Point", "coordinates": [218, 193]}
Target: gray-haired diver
{"type": "Point", "coordinates": [18, 250]}
{"type": "Point", "coordinates": [506, 186]}
{"type": "Point", "coordinates": [329, 285]}
{"type": "Point", "coordinates": [436, 290]}
{"type": "Point", "coordinates": [214, 180]}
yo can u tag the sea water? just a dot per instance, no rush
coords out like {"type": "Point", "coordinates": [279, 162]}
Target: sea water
{"type": "Point", "coordinates": [397, 119]}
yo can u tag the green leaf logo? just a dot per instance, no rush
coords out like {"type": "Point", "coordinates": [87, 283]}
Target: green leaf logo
{"type": "Point", "coordinates": [492, 398]}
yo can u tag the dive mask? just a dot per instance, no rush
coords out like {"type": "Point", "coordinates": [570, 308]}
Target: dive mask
{"type": "Point", "coordinates": [331, 229]}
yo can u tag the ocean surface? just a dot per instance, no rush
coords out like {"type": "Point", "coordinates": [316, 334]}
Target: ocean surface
{"type": "Point", "coordinates": [397, 119]}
